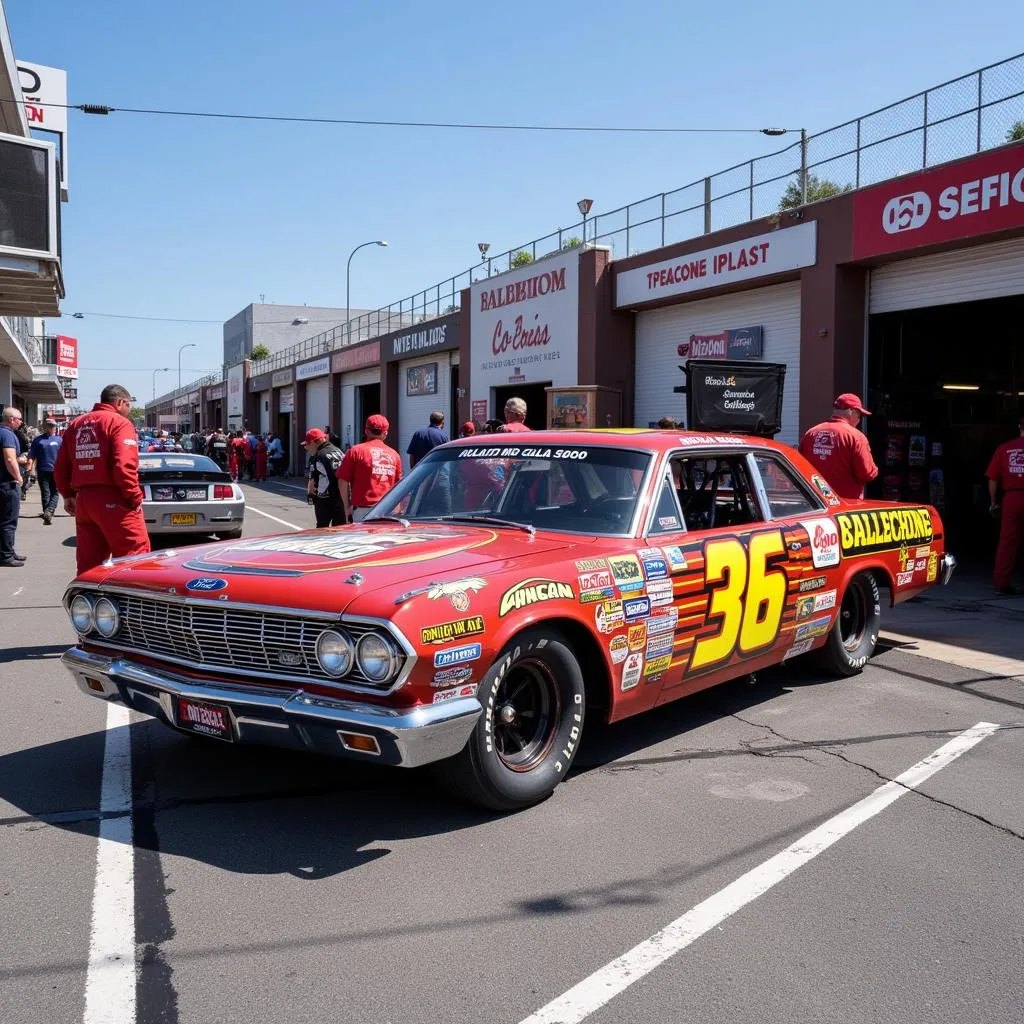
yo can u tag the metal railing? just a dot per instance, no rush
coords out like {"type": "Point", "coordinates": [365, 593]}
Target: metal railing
{"type": "Point", "coordinates": [210, 378]}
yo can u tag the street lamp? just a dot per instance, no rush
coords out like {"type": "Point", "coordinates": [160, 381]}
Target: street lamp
{"type": "Point", "coordinates": [348, 268]}
{"type": "Point", "coordinates": [191, 344]}
{"type": "Point", "coordinates": [584, 206]}
{"type": "Point", "coordinates": [163, 369]}
{"type": "Point", "coordinates": [483, 247]}
{"type": "Point", "coordinates": [774, 132]}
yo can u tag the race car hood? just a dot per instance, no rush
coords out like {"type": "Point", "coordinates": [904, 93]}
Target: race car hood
{"type": "Point", "coordinates": [326, 570]}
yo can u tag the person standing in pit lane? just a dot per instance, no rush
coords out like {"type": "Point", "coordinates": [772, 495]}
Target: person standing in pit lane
{"type": "Point", "coordinates": [427, 438]}
{"type": "Point", "coordinates": [515, 417]}
{"type": "Point", "coordinates": [369, 470]}
{"type": "Point", "coordinates": [839, 451]}
{"type": "Point", "coordinates": [322, 488]}
{"type": "Point", "coordinates": [97, 472]}
{"type": "Point", "coordinates": [11, 482]}
{"type": "Point", "coordinates": [1006, 473]}
{"type": "Point", "coordinates": [42, 457]}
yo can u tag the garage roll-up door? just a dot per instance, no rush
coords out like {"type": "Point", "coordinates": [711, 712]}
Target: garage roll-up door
{"type": "Point", "coordinates": [967, 275]}
{"type": "Point", "coordinates": [414, 410]}
{"type": "Point", "coordinates": [317, 403]}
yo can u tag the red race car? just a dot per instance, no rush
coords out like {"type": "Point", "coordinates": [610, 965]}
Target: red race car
{"type": "Point", "coordinates": [507, 588]}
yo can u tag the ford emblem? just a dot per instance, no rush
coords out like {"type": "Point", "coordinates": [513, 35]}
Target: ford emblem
{"type": "Point", "coordinates": [206, 584]}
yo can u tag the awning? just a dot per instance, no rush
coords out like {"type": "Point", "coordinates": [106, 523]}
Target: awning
{"type": "Point", "coordinates": [30, 287]}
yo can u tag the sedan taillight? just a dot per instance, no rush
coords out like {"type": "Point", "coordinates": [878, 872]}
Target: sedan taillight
{"type": "Point", "coordinates": [223, 491]}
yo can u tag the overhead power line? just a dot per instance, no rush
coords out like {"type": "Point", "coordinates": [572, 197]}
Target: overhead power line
{"type": "Point", "coordinates": [185, 320]}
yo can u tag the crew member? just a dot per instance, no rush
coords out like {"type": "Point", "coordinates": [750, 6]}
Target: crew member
{"type": "Point", "coordinates": [515, 416]}
{"type": "Point", "coordinates": [668, 423]}
{"type": "Point", "coordinates": [217, 446]}
{"type": "Point", "coordinates": [839, 450]}
{"type": "Point", "coordinates": [11, 482]}
{"type": "Point", "coordinates": [427, 438]}
{"type": "Point", "coordinates": [322, 482]}
{"type": "Point", "coordinates": [369, 470]}
{"type": "Point", "coordinates": [468, 429]}
{"type": "Point", "coordinates": [97, 472]}
{"type": "Point", "coordinates": [42, 457]}
{"type": "Point", "coordinates": [1006, 472]}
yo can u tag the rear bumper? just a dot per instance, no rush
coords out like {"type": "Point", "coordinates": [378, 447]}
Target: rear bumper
{"type": "Point", "coordinates": [286, 718]}
{"type": "Point", "coordinates": [211, 516]}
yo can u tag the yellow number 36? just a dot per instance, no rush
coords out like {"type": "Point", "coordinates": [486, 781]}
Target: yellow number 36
{"type": "Point", "coordinates": [733, 573]}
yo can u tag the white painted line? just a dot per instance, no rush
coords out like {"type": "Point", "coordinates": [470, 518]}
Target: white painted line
{"type": "Point", "coordinates": [283, 522]}
{"type": "Point", "coordinates": [606, 983]}
{"type": "Point", "coordinates": [110, 977]}
{"type": "Point", "coordinates": [17, 592]}
{"type": "Point", "coordinates": [981, 661]}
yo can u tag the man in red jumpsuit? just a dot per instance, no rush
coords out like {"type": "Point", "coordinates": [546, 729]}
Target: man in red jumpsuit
{"type": "Point", "coordinates": [1006, 471]}
{"type": "Point", "coordinates": [839, 451]}
{"type": "Point", "coordinates": [97, 473]}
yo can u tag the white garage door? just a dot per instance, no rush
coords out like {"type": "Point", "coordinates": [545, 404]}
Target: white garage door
{"type": "Point", "coordinates": [414, 411]}
{"type": "Point", "coordinates": [967, 275]}
{"type": "Point", "coordinates": [349, 431]}
{"type": "Point", "coordinates": [659, 332]}
{"type": "Point", "coordinates": [264, 412]}
{"type": "Point", "coordinates": [318, 411]}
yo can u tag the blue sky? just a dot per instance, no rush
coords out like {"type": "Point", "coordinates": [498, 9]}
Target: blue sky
{"type": "Point", "coordinates": [195, 219]}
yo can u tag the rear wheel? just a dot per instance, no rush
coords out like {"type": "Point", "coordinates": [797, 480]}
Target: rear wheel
{"type": "Point", "coordinates": [534, 703]}
{"type": "Point", "coordinates": [854, 635]}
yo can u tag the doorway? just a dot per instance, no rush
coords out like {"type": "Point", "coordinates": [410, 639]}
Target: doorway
{"type": "Point", "coordinates": [533, 395]}
{"type": "Point", "coordinates": [454, 423]}
{"type": "Point", "coordinates": [367, 404]}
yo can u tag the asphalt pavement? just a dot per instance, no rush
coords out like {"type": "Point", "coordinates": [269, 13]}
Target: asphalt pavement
{"type": "Point", "coordinates": [741, 855]}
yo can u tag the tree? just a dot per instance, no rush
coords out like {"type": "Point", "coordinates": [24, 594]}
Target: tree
{"type": "Point", "coordinates": [136, 413]}
{"type": "Point", "coordinates": [259, 353]}
{"type": "Point", "coordinates": [572, 243]}
{"type": "Point", "coordinates": [1016, 132]}
{"type": "Point", "coordinates": [520, 259]}
{"type": "Point", "coordinates": [817, 189]}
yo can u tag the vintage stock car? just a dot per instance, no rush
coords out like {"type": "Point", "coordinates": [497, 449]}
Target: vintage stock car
{"type": "Point", "coordinates": [507, 589]}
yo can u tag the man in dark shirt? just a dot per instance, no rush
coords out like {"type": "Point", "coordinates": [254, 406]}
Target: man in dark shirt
{"type": "Point", "coordinates": [11, 480]}
{"type": "Point", "coordinates": [42, 457]}
{"type": "Point", "coordinates": [322, 483]}
{"type": "Point", "coordinates": [427, 438]}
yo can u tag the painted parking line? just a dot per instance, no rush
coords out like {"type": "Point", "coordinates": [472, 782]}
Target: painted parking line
{"type": "Point", "coordinates": [283, 522]}
{"type": "Point", "coordinates": [606, 983]}
{"type": "Point", "coordinates": [980, 661]}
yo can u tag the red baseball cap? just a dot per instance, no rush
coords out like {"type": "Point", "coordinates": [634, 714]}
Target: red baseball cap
{"type": "Point", "coordinates": [847, 400]}
{"type": "Point", "coordinates": [315, 436]}
{"type": "Point", "coordinates": [377, 424]}
{"type": "Point", "coordinates": [469, 427]}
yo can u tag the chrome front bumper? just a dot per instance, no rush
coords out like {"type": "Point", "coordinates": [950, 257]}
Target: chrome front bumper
{"type": "Point", "coordinates": [285, 717]}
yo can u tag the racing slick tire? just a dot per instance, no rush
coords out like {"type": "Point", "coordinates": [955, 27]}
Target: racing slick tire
{"type": "Point", "coordinates": [534, 703]}
{"type": "Point", "coordinates": [852, 639]}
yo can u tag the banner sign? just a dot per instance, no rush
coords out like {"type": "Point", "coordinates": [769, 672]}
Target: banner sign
{"type": "Point", "coordinates": [281, 378]}
{"type": "Point", "coordinates": [356, 357]}
{"type": "Point", "coordinates": [428, 338]}
{"type": "Point", "coordinates": [67, 356]}
{"type": "Point", "coordinates": [734, 397]}
{"type": "Point", "coordinates": [734, 343]}
{"type": "Point", "coordinates": [45, 92]}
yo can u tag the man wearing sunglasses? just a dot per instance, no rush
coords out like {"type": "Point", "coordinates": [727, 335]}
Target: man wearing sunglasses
{"type": "Point", "coordinates": [11, 482]}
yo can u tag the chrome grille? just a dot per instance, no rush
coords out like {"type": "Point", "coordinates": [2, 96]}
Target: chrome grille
{"type": "Point", "coordinates": [225, 637]}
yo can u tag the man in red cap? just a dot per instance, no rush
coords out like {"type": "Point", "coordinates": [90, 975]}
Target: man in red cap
{"type": "Point", "coordinates": [1006, 472]}
{"type": "Point", "coordinates": [468, 429]}
{"type": "Point", "coordinates": [322, 483]}
{"type": "Point", "coordinates": [369, 470]}
{"type": "Point", "coordinates": [839, 450]}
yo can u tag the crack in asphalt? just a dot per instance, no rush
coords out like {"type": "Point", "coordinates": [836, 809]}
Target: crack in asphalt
{"type": "Point", "coordinates": [824, 747]}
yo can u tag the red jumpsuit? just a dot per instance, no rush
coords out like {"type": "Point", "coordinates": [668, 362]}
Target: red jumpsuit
{"type": "Point", "coordinates": [1007, 470]}
{"type": "Point", "coordinates": [261, 460]}
{"type": "Point", "coordinates": [98, 466]}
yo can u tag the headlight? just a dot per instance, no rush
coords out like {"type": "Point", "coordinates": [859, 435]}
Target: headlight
{"type": "Point", "coordinates": [81, 614]}
{"type": "Point", "coordinates": [106, 617]}
{"type": "Point", "coordinates": [377, 658]}
{"type": "Point", "coordinates": [334, 652]}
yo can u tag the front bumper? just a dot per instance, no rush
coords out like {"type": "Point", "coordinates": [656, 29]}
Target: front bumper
{"type": "Point", "coordinates": [285, 717]}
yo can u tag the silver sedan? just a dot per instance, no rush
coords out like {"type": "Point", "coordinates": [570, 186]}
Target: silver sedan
{"type": "Point", "coordinates": [191, 494]}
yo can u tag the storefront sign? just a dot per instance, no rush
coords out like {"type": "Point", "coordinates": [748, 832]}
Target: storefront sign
{"type": "Point", "coordinates": [356, 357]}
{"type": "Point", "coordinates": [777, 252]}
{"type": "Point", "coordinates": [421, 380]}
{"type": "Point", "coordinates": [262, 382]}
{"type": "Point", "coordinates": [69, 392]}
{"type": "Point", "coordinates": [45, 91]}
{"type": "Point", "coordinates": [287, 403]}
{"type": "Point", "coordinates": [215, 394]}
{"type": "Point", "coordinates": [280, 378]}
{"type": "Point", "coordinates": [67, 356]}
{"type": "Point", "coordinates": [236, 380]}
{"type": "Point", "coordinates": [524, 325]}
{"type": "Point", "coordinates": [429, 338]}
{"type": "Point", "coordinates": [974, 197]}
{"type": "Point", "coordinates": [479, 410]}
{"type": "Point", "coordinates": [734, 343]}
{"type": "Point", "coordinates": [315, 368]}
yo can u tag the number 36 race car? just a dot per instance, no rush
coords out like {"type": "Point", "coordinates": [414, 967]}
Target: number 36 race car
{"type": "Point", "coordinates": [507, 589]}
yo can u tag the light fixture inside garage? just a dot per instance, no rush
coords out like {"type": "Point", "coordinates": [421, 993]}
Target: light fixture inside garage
{"type": "Point", "coordinates": [961, 387]}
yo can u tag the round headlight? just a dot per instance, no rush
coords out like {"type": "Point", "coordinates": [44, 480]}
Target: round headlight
{"type": "Point", "coordinates": [106, 617]}
{"type": "Point", "coordinates": [334, 652]}
{"type": "Point", "coordinates": [377, 658]}
{"type": "Point", "coordinates": [81, 614]}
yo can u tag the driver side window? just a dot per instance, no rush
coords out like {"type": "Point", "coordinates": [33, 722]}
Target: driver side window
{"type": "Point", "coordinates": [714, 491]}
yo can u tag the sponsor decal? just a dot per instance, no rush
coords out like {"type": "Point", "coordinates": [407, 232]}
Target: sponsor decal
{"type": "Point", "coordinates": [884, 529]}
{"type": "Point", "coordinates": [596, 580]}
{"type": "Point", "coordinates": [808, 606]}
{"type": "Point", "coordinates": [663, 623]}
{"type": "Point", "coordinates": [619, 650]}
{"type": "Point", "coordinates": [591, 564]}
{"type": "Point", "coordinates": [668, 522]}
{"type": "Point", "coordinates": [446, 632]}
{"type": "Point", "coordinates": [339, 546]}
{"type": "Point", "coordinates": [609, 616]}
{"type": "Point", "coordinates": [814, 583]}
{"type": "Point", "coordinates": [797, 649]}
{"type": "Point", "coordinates": [463, 691]}
{"type": "Point", "coordinates": [656, 666]}
{"type": "Point", "coordinates": [921, 564]}
{"type": "Point", "coordinates": [591, 596]}
{"type": "Point", "coordinates": [631, 670]}
{"type": "Point", "coordinates": [658, 645]}
{"type": "Point", "coordinates": [457, 655]}
{"type": "Point", "coordinates": [574, 454]}
{"type": "Point", "coordinates": [816, 627]}
{"type": "Point", "coordinates": [534, 591]}
{"type": "Point", "coordinates": [206, 584]}
{"type": "Point", "coordinates": [660, 593]}
{"type": "Point", "coordinates": [626, 571]}
{"type": "Point", "coordinates": [824, 488]}
{"type": "Point", "coordinates": [655, 568]}
{"type": "Point", "coordinates": [904, 579]}
{"type": "Point", "coordinates": [804, 608]}
{"type": "Point", "coordinates": [924, 551]}
{"type": "Point", "coordinates": [675, 556]}
{"type": "Point", "coordinates": [643, 553]}
{"type": "Point", "coordinates": [636, 608]}
{"type": "Point", "coordinates": [933, 567]}
{"type": "Point", "coordinates": [637, 636]}
{"type": "Point", "coordinates": [701, 440]}
{"type": "Point", "coordinates": [451, 676]}
{"type": "Point", "coordinates": [824, 538]}
{"type": "Point", "coordinates": [457, 591]}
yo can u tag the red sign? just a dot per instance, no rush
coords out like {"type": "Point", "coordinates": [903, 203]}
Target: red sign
{"type": "Point", "coordinates": [67, 356]}
{"type": "Point", "coordinates": [355, 357]}
{"type": "Point", "coordinates": [974, 197]}
{"type": "Point", "coordinates": [479, 414]}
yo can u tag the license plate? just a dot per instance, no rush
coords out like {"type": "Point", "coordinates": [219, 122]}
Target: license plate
{"type": "Point", "coordinates": [205, 719]}
{"type": "Point", "coordinates": [183, 519]}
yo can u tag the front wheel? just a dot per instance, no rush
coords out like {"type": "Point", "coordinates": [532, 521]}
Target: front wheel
{"type": "Point", "coordinates": [534, 703]}
{"type": "Point", "coordinates": [852, 638]}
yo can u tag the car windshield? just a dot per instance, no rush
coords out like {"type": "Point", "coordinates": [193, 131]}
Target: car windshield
{"type": "Point", "coordinates": [573, 488]}
{"type": "Point", "coordinates": [177, 462]}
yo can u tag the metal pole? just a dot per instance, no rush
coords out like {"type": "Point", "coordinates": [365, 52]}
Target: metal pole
{"type": "Point", "coordinates": [751, 189]}
{"type": "Point", "coordinates": [348, 277]}
{"type": "Point", "coordinates": [663, 219]}
{"type": "Point", "coordinates": [707, 206]}
{"type": "Point", "coordinates": [978, 150]}
{"type": "Point", "coordinates": [191, 344]}
{"type": "Point", "coordinates": [924, 155]}
{"type": "Point", "coordinates": [803, 166]}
